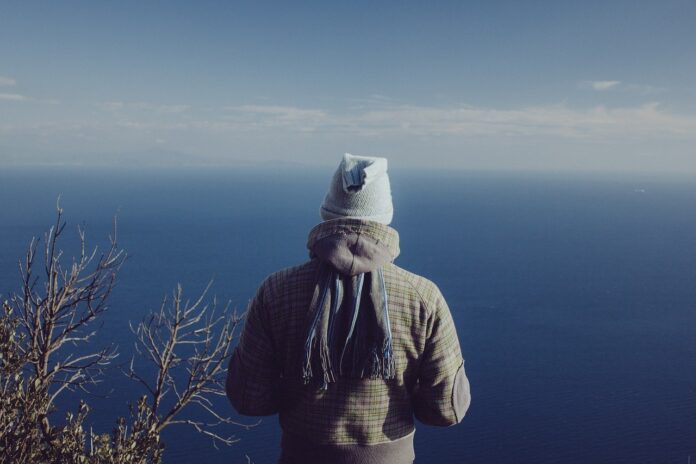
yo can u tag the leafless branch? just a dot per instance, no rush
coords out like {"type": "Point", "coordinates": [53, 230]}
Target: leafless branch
{"type": "Point", "coordinates": [46, 332]}
{"type": "Point", "coordinates": [189, 343]}
{"type": "Point", "coordinates": [62, 309]}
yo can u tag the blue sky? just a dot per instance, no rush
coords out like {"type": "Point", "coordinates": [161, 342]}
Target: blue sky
{"type": "Point", "coordinates": [588, 85]}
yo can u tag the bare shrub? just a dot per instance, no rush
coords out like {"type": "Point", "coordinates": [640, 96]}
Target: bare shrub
{"type": "Point", "coordinates": [46, 348]}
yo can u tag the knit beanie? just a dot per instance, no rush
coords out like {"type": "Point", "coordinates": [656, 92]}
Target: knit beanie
{"type": "Point", "coordinates": [359, 189]}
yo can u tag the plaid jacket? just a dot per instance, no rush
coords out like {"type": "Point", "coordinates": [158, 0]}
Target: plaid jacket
{"type": "Point", "coordinates": [264, 377]}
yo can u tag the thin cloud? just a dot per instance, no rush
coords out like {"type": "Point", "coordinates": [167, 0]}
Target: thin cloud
{"type": "Point", "coordinates": [251, 117]}
{"type": "Point", "coordinates": [142, 106]}
{"type": "Point", "coordinates": [396, 122]}
{"type": "Point", "coordinates": [470, 121]}
{"type": "Point", "coordinates": [13, 97]}
{"type": "Point", "coordinates": [24, 98]}
{"type": "Point", "coordinates": [7, 81]}
{"type": "Point", "coordinates": [619, 86]}
{"type": "Point", "coordinates": [288, 113]}
{"type": "Point", "coordinates": [602, 85]}
{"type": "Point", "coordinates": [402, 120]}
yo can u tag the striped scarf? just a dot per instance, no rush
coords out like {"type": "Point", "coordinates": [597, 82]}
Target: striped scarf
{"type": "Point", "coordinates": [359, 346]}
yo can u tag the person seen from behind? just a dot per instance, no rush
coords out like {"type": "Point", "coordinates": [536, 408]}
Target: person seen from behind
{"type": "Point", "coordinates": [349, 348]}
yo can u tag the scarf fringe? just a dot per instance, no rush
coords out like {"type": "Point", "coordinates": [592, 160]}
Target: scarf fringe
{"type": "Point", "coordinates": [311, 342]}
{"type": "Point", "coordinates": [373, 362]}
{"type": "Point", "coordinates": [379, 363]}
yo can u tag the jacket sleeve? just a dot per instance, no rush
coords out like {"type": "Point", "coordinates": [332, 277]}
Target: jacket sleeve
{"type": "Point", "coordinates": [442, 395]}
{"type": "Point", "coordinates": [253, 375]}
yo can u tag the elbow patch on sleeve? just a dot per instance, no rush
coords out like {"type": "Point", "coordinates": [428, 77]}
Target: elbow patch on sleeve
{"type": "Point", "coordinates": [461, 395]}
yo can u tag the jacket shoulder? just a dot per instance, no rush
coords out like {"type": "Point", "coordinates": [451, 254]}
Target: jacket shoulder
{"type": "Point", "coordinates": [290, 277]}
{"type": "Point", "coordinates": [416, 285]}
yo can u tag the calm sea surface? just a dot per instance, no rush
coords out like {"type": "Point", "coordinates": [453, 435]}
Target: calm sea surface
{"type": "Point", "coordinates": [574, 295]}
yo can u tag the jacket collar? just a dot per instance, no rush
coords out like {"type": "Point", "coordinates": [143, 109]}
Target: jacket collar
{"type": "Point", "coordinates": [356, 236]}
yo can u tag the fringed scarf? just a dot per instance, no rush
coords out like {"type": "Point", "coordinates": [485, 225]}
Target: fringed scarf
{"type": "Point", "coordinates": [366, 351]}
{"type": "Point", "coordinates": [348, 328]}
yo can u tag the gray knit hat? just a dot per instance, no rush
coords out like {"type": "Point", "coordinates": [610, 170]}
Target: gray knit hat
{"type": "Point", "coordinates": [359, 189]}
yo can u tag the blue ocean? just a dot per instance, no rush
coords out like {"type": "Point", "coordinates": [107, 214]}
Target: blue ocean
{"type": "Point", "coordinates": [574, 295]}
